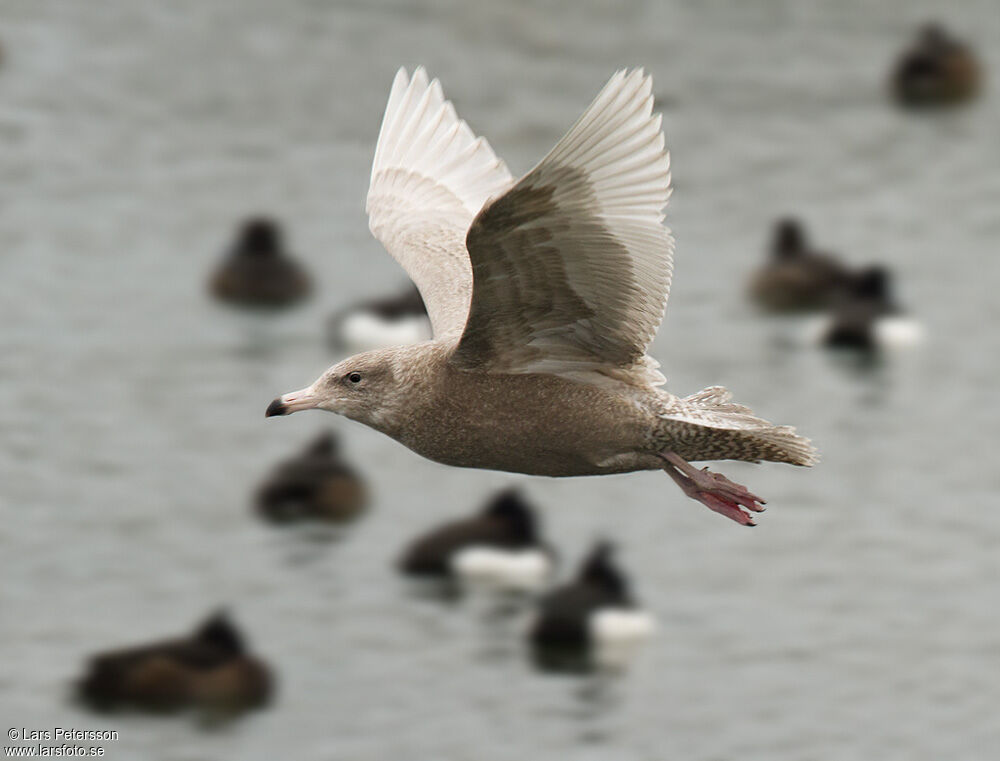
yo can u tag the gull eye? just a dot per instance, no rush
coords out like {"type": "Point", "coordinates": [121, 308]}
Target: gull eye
{"type": "Point", "coordinates": [354, 377]}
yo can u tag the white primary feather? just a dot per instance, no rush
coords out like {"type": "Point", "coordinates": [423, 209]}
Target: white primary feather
{"type": "Point", "coordinates": [572, 265]}
{"type": "Point", "coordinates": [516, 570]}
{"type": "Point", "coordinates": [430, 177]}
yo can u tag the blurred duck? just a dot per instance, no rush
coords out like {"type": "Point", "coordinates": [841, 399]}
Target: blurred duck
{"type": "Point", "coordinates": [591, 622]}
{"type": "Point", "coordinates": [868, 317]}
{"type": "Point", "coordinates": [257, 272]}
{"type": "Point", "coordinates": [498, 548]}
{"type": "Point", "coordinates": [208, 669]}
{"type": "Point", "coordinates": [937, 70]}
{"type": "Point", "coordinates": [797, 278]}
{"type": "Point", "coordinates": [314, 485]}
{"type": "Point", "coordinates": [381, 323]}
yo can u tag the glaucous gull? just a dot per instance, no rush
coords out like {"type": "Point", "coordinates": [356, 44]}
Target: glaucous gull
{"type": "Point", "coordinates": [543, 296]}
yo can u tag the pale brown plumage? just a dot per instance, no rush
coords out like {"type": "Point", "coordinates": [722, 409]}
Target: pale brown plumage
{"type": "Point", "coordinates": [544, 296]}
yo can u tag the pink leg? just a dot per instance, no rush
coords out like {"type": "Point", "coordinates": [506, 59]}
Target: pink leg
{"type": "Point", "coordinates": [713, 490]}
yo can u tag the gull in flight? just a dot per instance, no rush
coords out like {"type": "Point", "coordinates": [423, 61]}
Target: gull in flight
{"type": "Point", "coordinates": [543, 296]}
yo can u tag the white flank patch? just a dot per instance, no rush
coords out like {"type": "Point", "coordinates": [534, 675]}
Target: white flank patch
{"type": "Point", "coordinates": [617, 634]}
{"type": "Point", "coordinates": [890, 332]}
{"type": "Point", "coordinates": [898, 332]}
{"type": "Point", "coordinates": [364, 331]}
{"type": "Point", "coordinates": [514, 570]}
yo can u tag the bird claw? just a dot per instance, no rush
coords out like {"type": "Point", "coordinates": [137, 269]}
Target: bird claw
{"type": "Point", "coordinates": [718, 484]}
{"type": "Point", "coordinates": [729, 508]}
{"type": "Point", "coordinates": [715, 491]}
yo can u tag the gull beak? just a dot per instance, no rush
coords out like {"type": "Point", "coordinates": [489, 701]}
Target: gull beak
{"type": "Point", "coordinates": [303, 399]}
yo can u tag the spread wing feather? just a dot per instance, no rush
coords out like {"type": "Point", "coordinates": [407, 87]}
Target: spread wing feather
{"type": "Point", "coordinates": [571, 266]}
{"type": "Point", "coordinates": [430, 177]}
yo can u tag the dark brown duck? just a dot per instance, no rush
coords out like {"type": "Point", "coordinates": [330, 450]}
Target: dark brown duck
{"type": "Point", "coordinates": [314, 485]}
{"type": "Point", "coordinates": [257, 272]}
{"type": "Point", "coordinates": [797, 278]}
{"type": "Point", "coordinates": [936, 70]}
{"type": "Point", "coordinates": [209, 668]}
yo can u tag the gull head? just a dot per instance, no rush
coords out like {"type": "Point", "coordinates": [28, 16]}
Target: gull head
{"type": "Point", "coordinates": [361, 387]}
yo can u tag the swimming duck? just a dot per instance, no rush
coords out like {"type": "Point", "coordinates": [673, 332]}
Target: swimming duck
{"type": "Point", "coordinates": [592, 621]}
{"type": "Point", "coordinates": [382, 322]}
{"type": "Point", "coordinates": [257, 272]}
{"type": "Point", "coordinates": [868, 317]}
{"type": "Point", "coordinates": [500, 547]}
{"type": "Point", "coordinates": [316, 484]}
{"type": "Point", "coordinates": [797, 278]}
{"type": "Point", "coordinates": [936, 70]}
{"type": "Point", "coordinates": [208, 669]}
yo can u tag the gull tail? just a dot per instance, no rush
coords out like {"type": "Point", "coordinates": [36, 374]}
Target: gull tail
{"type": "Point", "coordinates": [708, 425]}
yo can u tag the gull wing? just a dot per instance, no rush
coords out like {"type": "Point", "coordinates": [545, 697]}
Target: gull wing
{"type": "Point", "coordinates": [571, 267]}
{"type": "Point", "coordinates": [430, 177]}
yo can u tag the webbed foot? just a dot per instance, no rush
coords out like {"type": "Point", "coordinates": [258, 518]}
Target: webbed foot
{"type": "Point", "coordinates": [713, 490]}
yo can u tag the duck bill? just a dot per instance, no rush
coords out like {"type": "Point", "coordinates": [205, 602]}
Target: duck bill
{"type": "Point", "coordinates": [304, 399]}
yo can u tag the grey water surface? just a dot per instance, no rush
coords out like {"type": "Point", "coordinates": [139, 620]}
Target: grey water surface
{"type": "Point", "coordinates": [859, 621]}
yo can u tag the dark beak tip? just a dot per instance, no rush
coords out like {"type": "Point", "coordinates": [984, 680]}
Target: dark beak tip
{"type": "Point", "coordinates": [277, 407]}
